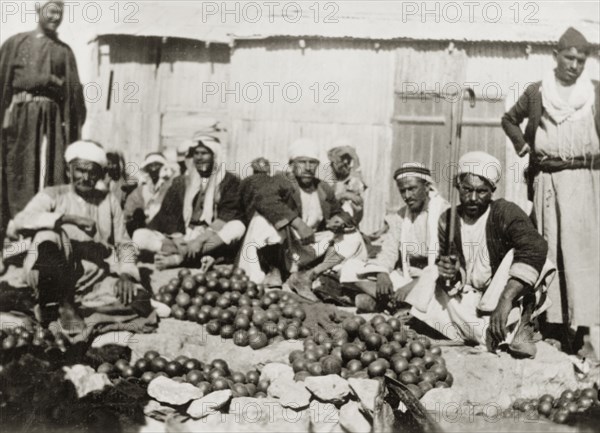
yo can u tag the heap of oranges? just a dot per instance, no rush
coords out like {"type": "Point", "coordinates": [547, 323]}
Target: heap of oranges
{"type": "Point", "coordinates": [558, 409]}
{"type": "Point", "coordinates": [207, 376]}
{"type": "Point", "coordinates": [373, 349]}
{"type": "Point", "coordinates": [232, 306]}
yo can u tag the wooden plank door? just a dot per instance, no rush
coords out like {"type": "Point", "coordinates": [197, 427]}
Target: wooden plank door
{"type": "Point", "coordinates": [482, 131]}
{"type": "Point", "coordinates": [421, 133]}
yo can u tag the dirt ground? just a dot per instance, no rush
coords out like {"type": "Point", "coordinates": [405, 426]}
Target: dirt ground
{"type": "Point", "coordinates": [485, 384]}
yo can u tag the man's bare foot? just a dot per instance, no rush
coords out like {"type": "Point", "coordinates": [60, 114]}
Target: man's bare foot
{"type": "Point", "coordinates": [365, 304]}
{"type": "Point", "coordinates": [587, 352]}
{"type": "Point", "coordinates": [523, 344]}
{"type": "Point", "coordinates": [302, 285]}
{"type": "Point", "coordinates": [165, 262]}
{"type": "Point", "coordinates": [401, 311]}
{"type": "Point", "coordinates": [273, 279]}
{"type": "Point", "coordinates": [70, 321]}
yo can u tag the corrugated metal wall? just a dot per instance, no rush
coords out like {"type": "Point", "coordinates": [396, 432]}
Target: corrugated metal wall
{"type": "Point", "coordinates": [124, 114]}
{"type": "Point", "coordinates": [156, 98]}
{"type": "Point", "coordinates": [347, 87]}
{"type": "Point", "coordinates": [188, 71]}
{"type": "Point", "coordinates": [367, 79]}
{"type": "Point", "coordinates": [358, 80]}
{"type": "Point", "coordinates": [422, 124]}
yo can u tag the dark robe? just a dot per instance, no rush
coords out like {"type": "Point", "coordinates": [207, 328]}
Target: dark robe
{"type": "Point", "coordinates": [169, 218]}
{"type": "Point", "coordinates": [507, 227]}
{"type": "Point", "coordinates": [28, 61]}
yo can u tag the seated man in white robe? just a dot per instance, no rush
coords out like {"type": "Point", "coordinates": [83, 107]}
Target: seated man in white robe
{"type": "Point", "coordinates": [493, 271]}
{"type": "Point", "coordinates": [81, 256]}
{"type": "Point", "coordinates": [408, 248]}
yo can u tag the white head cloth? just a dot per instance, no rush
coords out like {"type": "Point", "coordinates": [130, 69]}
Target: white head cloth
{"type": "Point", "coordinates": [304, 148]}
{"type": "Point", "coordinates": [86, 150]}
{"type": "Point", "coordinates": [165, 173]}
{"type": "Point", "coordinates": [152, 158]}
{"type": "Point", "coordinates": [194, 181]}
{"type": "Point", "coordinates": [183, 149]}
{"type": "Point", "coordinates": [480, 164]}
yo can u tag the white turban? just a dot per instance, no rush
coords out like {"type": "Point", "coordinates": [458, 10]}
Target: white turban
{"type": "Point", "coordinates": [152, 158]}
{"type": "Point", "coordinates": [183, 149]}
{"type": "Point", "coordinates": [480, 164]}
{"type": "Point", "coordinates": [209, 141]}
{"type": "Point", "coordinates": [304, 148]}
{"type": "Point", "coordinates": [86, 150]}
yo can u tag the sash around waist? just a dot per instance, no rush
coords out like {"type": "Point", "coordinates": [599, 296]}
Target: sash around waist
{"type": "Point", "coordinates": [21, 97]}
{"type": "Point", "coordinates": [552, 165]}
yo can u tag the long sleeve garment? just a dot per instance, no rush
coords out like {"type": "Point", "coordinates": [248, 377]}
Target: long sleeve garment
{"type": "Point", "coordinates": [529, 106]}
{"type": "Point", "coordinates": [170, 220]}
{"type": "Point", "coordinates": [50, 205]}
{"type": "Point", "coordinates": [411, 238]}
{"type": "Point", "coordinates": [35, 132]}
{"type": "Point", "coordinates": [279, 201]}
{"type": "Point", "coordinates": [507, 227]}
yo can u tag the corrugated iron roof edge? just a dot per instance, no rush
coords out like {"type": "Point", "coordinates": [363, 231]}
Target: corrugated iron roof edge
{"type": "Point", "coordinates": [234, 39]}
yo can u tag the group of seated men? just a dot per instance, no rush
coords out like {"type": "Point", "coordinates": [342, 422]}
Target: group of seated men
{"type": "Point", "coordinates": [483, 283]}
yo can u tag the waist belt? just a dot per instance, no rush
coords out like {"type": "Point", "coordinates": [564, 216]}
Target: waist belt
{"type": "Point", "coordinates": [552, 165]}
{"type": "Point", "coordinates": [22, 97]}
{"type": "Point", "coordinates": [420, 262]}
{"type": "Point", "coordinates": [196, 223]}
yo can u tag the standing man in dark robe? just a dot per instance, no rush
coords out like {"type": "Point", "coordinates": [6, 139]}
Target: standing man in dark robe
{"type": "Point", "coordinates": [42, 110]}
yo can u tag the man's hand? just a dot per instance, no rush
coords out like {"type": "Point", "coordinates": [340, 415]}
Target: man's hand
{"type": "Point", "coordinates": [307, 234]}
{"type": "Point", "coordinates": [498, 320]}
{"type": "Point", "coordinates": [125, 289]}
{"type": "Point", "coordinates": [85, 224]}
{"type": "Point", "coordinates": [322, 316]}
{"type": "Point", "coordinates": [55, 81]}
{"type": "Point", "coordinates": [448, 267]}
{"type": "Point", "coordinates": [194, 247]}
{"type": "Point", "coordinates": [525, 150]}
{"type": "Point", "coordinates": [384, 287]}
{"type": "Point", "coordinates": [514, 290]}
{"type": "Point", "coordinates": [175, 245]}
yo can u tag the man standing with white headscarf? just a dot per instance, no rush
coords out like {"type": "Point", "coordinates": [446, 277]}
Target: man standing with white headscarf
{"type": "Point", "coordinates": [80, 255]}
{"type": "Point", "coordinates": [290, 210]}
{"type": "Point", "coordinates": [562, 137]}
{"type": "Point", "coordinates": [201, 213]}
{"type": "Point", "coordinates": [496, 270]}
